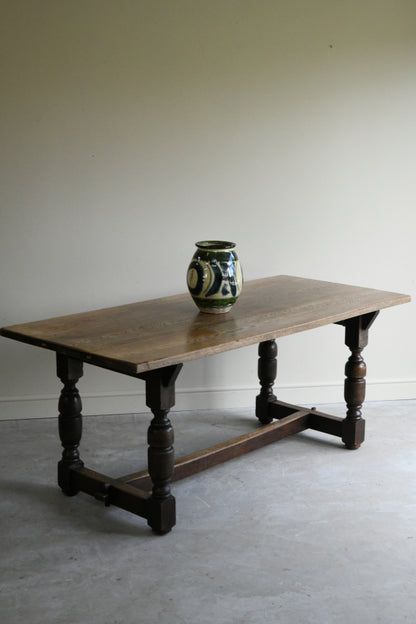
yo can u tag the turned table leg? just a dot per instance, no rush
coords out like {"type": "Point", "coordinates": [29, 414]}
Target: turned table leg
{"type": "Point", "coordinates": [160, 397]}
{"type": "Point", "coordinates": [267, 370]}
{"type": "Point", "coordinates": [356, 338]}
{"type": "Point", "coordinates": [70, 420]}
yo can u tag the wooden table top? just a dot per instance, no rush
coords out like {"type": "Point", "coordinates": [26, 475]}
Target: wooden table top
{"type": "Point", "coordinates": [138, 337]}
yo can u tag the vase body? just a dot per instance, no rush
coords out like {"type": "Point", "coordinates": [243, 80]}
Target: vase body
{"type": "Point", "coordinates": [214, 276]}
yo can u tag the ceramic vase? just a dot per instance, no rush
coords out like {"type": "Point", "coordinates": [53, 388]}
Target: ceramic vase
{"type": "Point", "coordinates": [214, 276]}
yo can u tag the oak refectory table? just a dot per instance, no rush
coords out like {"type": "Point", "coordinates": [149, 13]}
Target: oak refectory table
{"type": "Point", "coordinates": [151, 340]}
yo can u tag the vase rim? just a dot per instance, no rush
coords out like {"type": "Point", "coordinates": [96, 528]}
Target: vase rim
{"type": "Point", "coordinates": [215, 244]}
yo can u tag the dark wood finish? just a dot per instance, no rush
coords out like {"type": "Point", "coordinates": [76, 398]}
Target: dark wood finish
{"type": "Point", "coordinates": [69, 421]}
{"type": "Point", "coordinates": [319, 421]}
{"type": "Point", "coordinates": [326, 423]}
{"type": "Point", "coordinates": [111, 491]}
{"type": "Point", "coordinates": [356, 338]}
{"type": "Point", "coordinates": [214, 455]}
{"type": "Point", "coordinates": [131, 491]}
{"type": "Point", "coordinates": [151, 340]}
{"type": "Point", "coordinates": [160, 397]}
{"type": "Point", "coordinates": [266, 370]}
{"type": "Point", "coordinates": [138, 337]}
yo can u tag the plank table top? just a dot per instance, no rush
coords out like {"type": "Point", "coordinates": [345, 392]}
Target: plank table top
{"type": "Point", "coordinates": [138, 337]}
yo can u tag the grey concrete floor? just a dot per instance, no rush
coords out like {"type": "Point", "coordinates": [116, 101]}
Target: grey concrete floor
{"type": "Point", "coordinates": [302, 531]}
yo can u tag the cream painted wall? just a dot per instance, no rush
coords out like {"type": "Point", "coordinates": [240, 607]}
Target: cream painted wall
{"type": "Point", "coordinates": [132, 128]}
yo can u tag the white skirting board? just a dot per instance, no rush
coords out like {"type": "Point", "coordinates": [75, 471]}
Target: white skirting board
{"type": "Point", "coordinates": [24, 407]}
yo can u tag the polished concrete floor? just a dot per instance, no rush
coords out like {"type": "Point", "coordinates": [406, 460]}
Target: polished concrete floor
{"type": "Point", "coordinates": [302, 531]}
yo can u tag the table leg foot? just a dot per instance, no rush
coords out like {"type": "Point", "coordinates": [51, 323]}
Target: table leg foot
{"type": "Point", "coordinates": [353, 433]}
{"type": "Point", "coordinates": [65, 481]}
{"type": "Point", "coordinates": [161, 514]}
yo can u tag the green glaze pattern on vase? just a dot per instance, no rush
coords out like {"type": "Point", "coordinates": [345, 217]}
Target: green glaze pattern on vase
{"type": "Point", "coordinates": [214, 276]}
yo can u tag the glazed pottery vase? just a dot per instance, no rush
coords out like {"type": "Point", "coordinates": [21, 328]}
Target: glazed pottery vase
{"type": "Point", "coordinates": [214, 276]}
